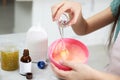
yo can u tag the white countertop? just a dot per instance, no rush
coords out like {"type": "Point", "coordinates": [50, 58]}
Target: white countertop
{"type": "Point", "coordinates": [97, 59]}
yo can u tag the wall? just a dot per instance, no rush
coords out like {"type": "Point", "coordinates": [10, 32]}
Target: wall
{"type": "Point", "coordinates": [6, 17]}
{"type": "Point", "coordinates": [23, 15]}
{"type": "Point", "coordinates": [42, 16]}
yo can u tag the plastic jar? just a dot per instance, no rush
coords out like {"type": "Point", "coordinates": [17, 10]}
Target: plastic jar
{"type": "Point", "coordinates": [9, 57]}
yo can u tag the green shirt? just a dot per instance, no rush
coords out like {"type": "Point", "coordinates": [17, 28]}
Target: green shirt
{"type": "Point", "coordinates": [114, 8]}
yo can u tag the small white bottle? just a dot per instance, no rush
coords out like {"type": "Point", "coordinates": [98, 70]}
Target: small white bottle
{"type": "Point", "coordinates": [25, 63]}
{"type": "Point", "coordinates": [37, 43]}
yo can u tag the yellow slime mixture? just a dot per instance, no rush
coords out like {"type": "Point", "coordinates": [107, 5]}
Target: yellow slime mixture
{"type": "Point", "coordinates": [9, 60]}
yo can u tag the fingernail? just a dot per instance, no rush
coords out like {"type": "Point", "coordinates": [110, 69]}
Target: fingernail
{"type": "Point", "coordinates": [54, 19]}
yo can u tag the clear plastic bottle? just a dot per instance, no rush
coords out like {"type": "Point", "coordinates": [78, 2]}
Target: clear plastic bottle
{"type": "Point", "coordinates": [37, 43]}
{"type": "Point", "coordinates": [63, 20]}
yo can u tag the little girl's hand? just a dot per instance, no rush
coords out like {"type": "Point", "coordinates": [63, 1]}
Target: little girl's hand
{"type": "Point", "coordinates": [72, 8]}
{"type": "Point", "coordinates": [79, 71]}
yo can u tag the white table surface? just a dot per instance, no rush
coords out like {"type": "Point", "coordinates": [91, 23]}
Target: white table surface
{"type": "Point", "coordinates": [97, 59]}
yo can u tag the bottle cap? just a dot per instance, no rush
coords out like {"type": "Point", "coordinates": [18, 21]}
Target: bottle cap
{"type": "Point", "coordinates": [29, 75]}
{"type": "Point", "coordinates": [41, 64]}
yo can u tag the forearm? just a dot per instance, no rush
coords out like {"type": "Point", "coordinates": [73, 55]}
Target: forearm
{"type": "Point", "coordinates": [85, 26]}
{"type": "Point", "coordinates": [105, 76]}
{"type": "Point", "coordinates": [80, 26]}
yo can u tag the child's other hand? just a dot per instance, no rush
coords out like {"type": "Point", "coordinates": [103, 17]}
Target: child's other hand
{"type": "Point", "coordinates": [79, 71]}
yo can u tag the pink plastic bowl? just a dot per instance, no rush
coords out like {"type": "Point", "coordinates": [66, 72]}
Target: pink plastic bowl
{"type": "Point", "coordinates": [76, 49]}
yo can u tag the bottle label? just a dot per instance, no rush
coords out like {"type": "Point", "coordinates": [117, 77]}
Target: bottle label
{"type": "Point", "coordinates": [25, 67]}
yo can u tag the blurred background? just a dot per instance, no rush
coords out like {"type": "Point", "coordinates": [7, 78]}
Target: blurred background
{"type": "Point", "coordinates": [6, 16]}
{"type": "Point", "coordinates": [17, 16]}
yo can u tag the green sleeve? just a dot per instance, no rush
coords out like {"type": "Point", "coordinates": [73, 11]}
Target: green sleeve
{"type": "Point", "coordinates": [114, 7]}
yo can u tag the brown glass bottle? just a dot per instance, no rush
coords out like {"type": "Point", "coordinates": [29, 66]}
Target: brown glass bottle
{"type": "Point", "coordinates": [25, 58]}
{"type": "Point", "coordinates": [25, 62]}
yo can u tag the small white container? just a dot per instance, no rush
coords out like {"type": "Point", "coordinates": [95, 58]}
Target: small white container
{"type": "Point", "coordinates": [37, 43]}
